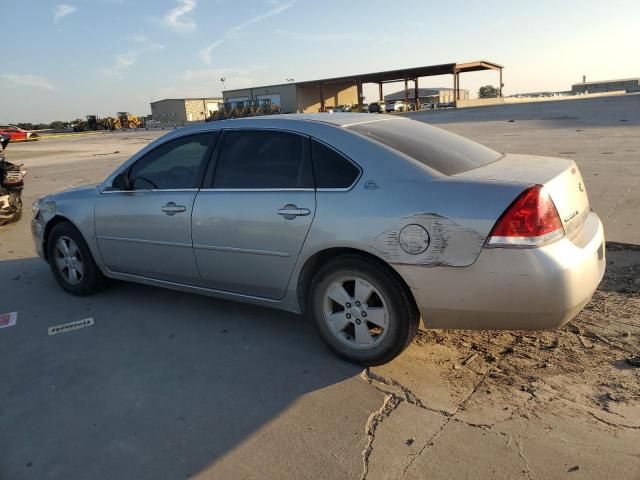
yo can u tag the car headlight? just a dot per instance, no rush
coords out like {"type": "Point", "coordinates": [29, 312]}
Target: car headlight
{"type": "Point", "coordinates": [35, 208]}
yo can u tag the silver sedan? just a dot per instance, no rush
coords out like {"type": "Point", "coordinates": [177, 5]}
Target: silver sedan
{"type": "Point", "coordinates": [366, 223]}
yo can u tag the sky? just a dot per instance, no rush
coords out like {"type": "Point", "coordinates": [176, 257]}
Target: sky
{"type": "Point", "coordinates": [64, 60]}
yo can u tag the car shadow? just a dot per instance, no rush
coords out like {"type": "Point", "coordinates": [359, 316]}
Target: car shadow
{"type": "Point", "coordinates": [161, 386]}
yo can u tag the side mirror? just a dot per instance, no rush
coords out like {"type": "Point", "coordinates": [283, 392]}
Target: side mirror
{"type": "Point", "coordinates": [121, 182]}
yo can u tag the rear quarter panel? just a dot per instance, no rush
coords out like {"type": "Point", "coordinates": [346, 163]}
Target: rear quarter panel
{"type": "Point", "coordinates": [458, 215]}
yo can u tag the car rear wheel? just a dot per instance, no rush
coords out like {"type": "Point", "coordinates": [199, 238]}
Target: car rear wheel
{"type": "Point", "coordinates": [71, 261]}
{"type": "Point", "coordinates": [362, 311]}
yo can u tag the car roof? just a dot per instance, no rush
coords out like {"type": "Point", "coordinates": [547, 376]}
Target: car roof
{"type": "Point", "coordinates": [296, 121]}
{"type": "Point", "coordinates": [341, 119]}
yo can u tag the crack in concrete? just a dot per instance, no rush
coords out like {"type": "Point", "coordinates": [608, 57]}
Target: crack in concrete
{"type": "Point", "coordinates": [622, 197]}
{"type": "Point", "coordinates": [524, 458]}
{"type": "Point", "coordinates": [393, 398]}
{"type": "Point", "coordinates": [406, 392]}
{"type": "Point", "coordinates": [611, 424]}
{"type": "Point", "coordinates": [589, 445]}
{"type": "Point", "coordinates": [486, 426]}
{"type": "Point", "coordinates": [391, 402]}
{"type": "Point", "coordinates": [397, 393]}
{"type": "Point", "coordinates": [461, 406]}
{"type": "Point", "coordinates": [510, 439]}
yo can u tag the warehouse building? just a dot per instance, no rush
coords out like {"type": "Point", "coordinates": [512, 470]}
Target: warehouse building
{"type": "Point", "coordinates": [321, 95]}
{"type": "Point", "coordinates": [626, 84]}
{"type": "Point", "coordinates": [179, 111]}
{"type": "Point", "coordinates": [430, 96]}
{"type": "Point", "coordinates": [283, 95]}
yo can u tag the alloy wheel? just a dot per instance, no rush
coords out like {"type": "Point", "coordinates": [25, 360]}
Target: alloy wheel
{"type": "Point", "coordinates": [69, 260]}
{"type": "Point", "coordinates": [356, 312]}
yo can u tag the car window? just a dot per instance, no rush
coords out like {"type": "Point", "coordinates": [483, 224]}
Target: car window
{"type": "Point", "coordinates": [263, 159]}
{"type": "Point", "coordinates": [330, 168]}
{"type": "Point", "coordinates": [175, 164]}
{"type": "Point", "coordinates": [444, 152]}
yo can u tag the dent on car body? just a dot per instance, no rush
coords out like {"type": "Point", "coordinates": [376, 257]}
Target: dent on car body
{"type": "Point", "coordinates": [450, 244]}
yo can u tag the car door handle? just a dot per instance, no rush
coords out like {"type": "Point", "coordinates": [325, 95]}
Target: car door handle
{"type": "Point", "coordinates": [171, 208]}
{"type": "Point", "coordinates": [291, 211]}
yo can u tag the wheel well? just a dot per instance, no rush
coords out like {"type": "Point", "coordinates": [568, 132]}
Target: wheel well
{"type": "Point", "coordinates": [47, 229]}
{"type": "Point", "coordinates": [319, 259]}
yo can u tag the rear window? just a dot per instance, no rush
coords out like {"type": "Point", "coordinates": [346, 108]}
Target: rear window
{"type": "Point", "coordinates": [445, 152]}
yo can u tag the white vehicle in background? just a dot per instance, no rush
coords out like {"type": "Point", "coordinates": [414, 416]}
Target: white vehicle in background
{"type": "Point", "coordinates": [398, 106]}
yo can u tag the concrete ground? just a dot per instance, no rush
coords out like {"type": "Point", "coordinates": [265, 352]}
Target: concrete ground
{"type": "Point", "coordinates": [171, 385]}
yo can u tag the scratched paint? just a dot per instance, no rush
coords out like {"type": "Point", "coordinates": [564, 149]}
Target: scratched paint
{"type": "Point", "coordinates": [451, 244]}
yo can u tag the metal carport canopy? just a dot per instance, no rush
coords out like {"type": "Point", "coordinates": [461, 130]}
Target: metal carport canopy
{"type": "Point", "coordinates": [407, 74]}
{"type": "Point", "coordinates": [411, 73]}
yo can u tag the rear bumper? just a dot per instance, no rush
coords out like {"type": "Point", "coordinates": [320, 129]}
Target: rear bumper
{"type": "Point", "coordinates": [513, 289]}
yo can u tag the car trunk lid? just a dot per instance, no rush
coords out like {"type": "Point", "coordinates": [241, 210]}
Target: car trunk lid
{"type": "Point", "coordinates": [560, 177]}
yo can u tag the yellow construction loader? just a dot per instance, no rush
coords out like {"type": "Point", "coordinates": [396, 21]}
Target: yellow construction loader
{"type": "Point", "coordinates": [95, 122]}
{"type": "Point", "coordinates": [225, 110]}
{"type": "Point", "coordinates": [128, 121]}
{"type": "Point", "coordinates": [240, 109]}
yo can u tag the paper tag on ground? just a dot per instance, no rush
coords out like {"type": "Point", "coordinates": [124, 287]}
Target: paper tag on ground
{"type": "Point", "coordinates": [8, 319]}
{"type": "Point", "coordinates": [67, 327]}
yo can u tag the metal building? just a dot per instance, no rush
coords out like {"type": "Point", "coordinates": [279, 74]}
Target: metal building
{"type": "Point", "coordinates": [430, 96]}
{"type": "Point", "coordinates": [283, 95]}
{"type": "Point", "coordinates": [179, 111]}
{"type": "Point", "coordinates": [320, 95]}
{"type": "Point", "coordinates": [626, 84]}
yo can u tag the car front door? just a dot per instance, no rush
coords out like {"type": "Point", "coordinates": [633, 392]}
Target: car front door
{"type": "Point", "coordinates": [250, 223]}
{"type": "Point", "coordinates": [145, 228]}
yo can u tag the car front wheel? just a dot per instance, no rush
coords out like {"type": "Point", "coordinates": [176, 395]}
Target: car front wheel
{"type": "Point", "coordinates": [362, 311]}
{"type": "Point", "coordinates": [71, 261]}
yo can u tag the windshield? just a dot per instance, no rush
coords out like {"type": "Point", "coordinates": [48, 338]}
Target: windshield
{"type": "Point", "coordinates": [440, 150]}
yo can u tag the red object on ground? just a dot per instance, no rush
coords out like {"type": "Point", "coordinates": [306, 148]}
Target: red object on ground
{"type": "Point", "coordinates": [17, 134]}
{"type": "Point", "coordinates": [8, 319]}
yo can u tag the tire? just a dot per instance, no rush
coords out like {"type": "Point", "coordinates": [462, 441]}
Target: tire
{"type": "Point", "coordinates": [379, 293]}
{"type": "Point", "coordinates": [91, 279]}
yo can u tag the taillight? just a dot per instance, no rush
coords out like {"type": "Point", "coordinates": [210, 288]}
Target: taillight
{"type": "Point", "coordinates": [531, 220]}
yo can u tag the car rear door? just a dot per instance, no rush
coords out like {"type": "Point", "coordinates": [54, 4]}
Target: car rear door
{"type": "Point", "coordinates": [250, 222]}
{"type": "Point", "coordinates": [146, 230]}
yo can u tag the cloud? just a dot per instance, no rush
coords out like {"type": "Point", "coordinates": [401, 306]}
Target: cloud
{"type": "Point", "coordinates": [205, 53]}
{"type": "Point", "coordinates": [326, 36]}
{"type": "Point", "coordinates": [277, 9]}
{"type": "Point", "coordinates": [122, 61]}
{"type": "Point", "coordinates": [62, 10]}
{"type": "Point", "coordinates": [28, 80]}
{"type": "Point", "coordinates": [214, 74]}
{"type": "Point", "coordinates": [176, 18]}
